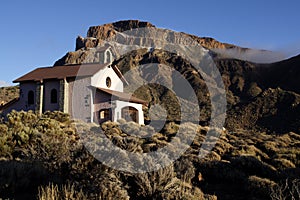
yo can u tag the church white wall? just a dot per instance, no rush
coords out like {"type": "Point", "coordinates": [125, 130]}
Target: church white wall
{"type": "Point", "coordinates": [99, 79]}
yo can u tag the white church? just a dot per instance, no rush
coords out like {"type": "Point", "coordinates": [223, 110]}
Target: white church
{"type": "Point", "coordinates": [90, 92]}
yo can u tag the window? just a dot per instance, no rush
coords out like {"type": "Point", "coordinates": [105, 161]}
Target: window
{"type": "Point", "coordinates": [108, 57]}
{"type": "Point", "coordinates": [30, 97]}
{"type": "Point", "coordinates": [53, 96]}
{"type": "Point", "coordinates": [108, 82]}
{"type": "Point", "coordinates": [104, 114]}
{"type": "Point", "coordinates": [130, 114]}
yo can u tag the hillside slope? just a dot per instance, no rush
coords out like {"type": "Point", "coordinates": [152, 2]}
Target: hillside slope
{"type": "Point", "coordinates": [8, 93]}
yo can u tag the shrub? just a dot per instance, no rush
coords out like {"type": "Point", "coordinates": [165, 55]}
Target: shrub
{"type": "Point", "coordinates": [254, 90]}
{"type": "Point", "coordinates": [111, 187]}
{"type": "Point", "coordinates": [26, 135]}
{"type": "Point", "coordinates": [288, 189]}
{"type": "Point", "coordinates": [56, 192]}
{"type": "Point", "coordinates": [57, 115]}
{"type": "Point", "coordinates": [221, 172]}
{"type": "Point", "coordinates": [153, 184]}
{"type": "Point", "coordinates": [252, 166]}
{"type": "Point", "coordinates": [261, 187]}
{"type": "Point", "coordinates": [171, 128]}
{"type": "Point", "coordinates": [178, 189]}
{"type": "Point", "coordinates": [19, 177]}
{"type": "Point", "coordinates": [281, 163]}
{"type": "Point", "coordinates": [185, 170]}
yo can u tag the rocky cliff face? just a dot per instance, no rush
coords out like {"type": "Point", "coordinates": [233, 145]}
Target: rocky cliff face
{"type": "Point", "coordinates": [108, 30]}
{"type": "Point", "coordinates": [96, 35]}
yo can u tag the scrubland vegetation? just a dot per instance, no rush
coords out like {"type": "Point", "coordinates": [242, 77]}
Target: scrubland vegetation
{"type": "Point", "coordinates": [8, 93]}
{"type": "Point", "coordinates": [44, 157]}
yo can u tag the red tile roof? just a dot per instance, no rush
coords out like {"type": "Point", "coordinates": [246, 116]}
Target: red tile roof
{"type": "Point", "coordinates": [66, 71]}
{"type": "Point", "coordinates": [122, 96]}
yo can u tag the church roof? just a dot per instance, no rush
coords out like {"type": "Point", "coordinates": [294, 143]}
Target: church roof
{"type": "Point", "coordinates": [66, 71]}
{"type": "Point", "coordinates": [121, 95]}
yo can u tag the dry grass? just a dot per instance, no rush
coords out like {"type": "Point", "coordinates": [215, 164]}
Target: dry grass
{"type": "Point", "coordinates": [65, 192]}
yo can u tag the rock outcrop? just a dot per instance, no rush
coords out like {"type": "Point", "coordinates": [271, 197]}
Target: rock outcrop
{"type": "Point", "coordinates": [96, 34]}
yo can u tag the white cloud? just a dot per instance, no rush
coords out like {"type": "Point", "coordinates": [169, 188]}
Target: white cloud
{"type": "Point", "coordinates": [4, 83]}
{"type": "Point", "coordinates": [252, 55]}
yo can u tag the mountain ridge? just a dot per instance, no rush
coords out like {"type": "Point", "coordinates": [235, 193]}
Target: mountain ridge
{"type": "Point", "coordinates": [99, 33]}
{"type": "Point", "coordinates": [96, 36]}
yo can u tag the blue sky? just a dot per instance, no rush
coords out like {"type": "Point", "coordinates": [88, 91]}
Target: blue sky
{"type": "Point", "coordinates": [37, 33]}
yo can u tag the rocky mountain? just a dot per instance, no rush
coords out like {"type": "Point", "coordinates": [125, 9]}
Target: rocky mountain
{"type": "Point", "coordinates": [256, 93]}
{"type": "Point", "coordinates": [250, 86]}
{"type": "Point", "coordinates": [265, 97]}
{"type": "Point", "coordinates": [96, 34]}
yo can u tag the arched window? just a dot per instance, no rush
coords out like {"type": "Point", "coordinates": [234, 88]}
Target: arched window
{"type": "Point", "coordinates": [130, 113]}
{"type": "Point", "coordinates": [30, 97]}
{"type": "Point", "coordinates": [108, 57]}
{"type": "Point", "coordinates": [53, 96]}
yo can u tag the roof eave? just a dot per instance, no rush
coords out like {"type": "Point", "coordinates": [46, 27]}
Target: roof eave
{"type": "Point", "coordinates": [136, 100]}
{"type": "Point", "coordinates": [119, 73]}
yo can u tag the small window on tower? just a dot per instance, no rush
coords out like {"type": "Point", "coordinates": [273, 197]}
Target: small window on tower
{"type": "Point", "coordinates": [108, 82]}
